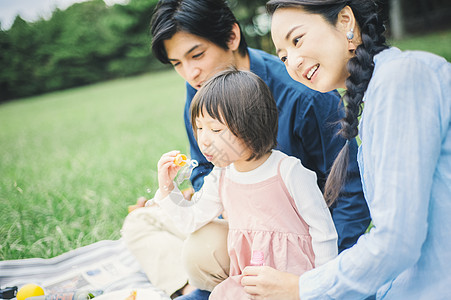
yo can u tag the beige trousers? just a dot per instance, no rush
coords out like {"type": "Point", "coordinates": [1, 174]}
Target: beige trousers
{"type": "Point", "coordinates": [169, 258]}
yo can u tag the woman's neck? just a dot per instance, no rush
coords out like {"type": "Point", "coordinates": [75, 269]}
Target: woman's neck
{"type": "Point", "coordinates": [246, 166]}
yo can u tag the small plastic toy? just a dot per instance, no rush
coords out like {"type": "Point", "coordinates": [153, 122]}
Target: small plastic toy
{"type": "Point", "coordinates": [181, 160]}
{"type": "Point", "coordinates": [258, 258]}
{"type": "Point", "coordinates": [187, 168]}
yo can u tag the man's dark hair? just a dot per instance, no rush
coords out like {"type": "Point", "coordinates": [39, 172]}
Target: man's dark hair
{"type": "Point", "coordinates": [242, 101]}
{"type": "Point", "coordinates": [209, 19]}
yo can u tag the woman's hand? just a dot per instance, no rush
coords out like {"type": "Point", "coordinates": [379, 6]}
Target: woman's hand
{"type": "Point", "coordinates": [268, 283]}
{"type": "Point", "coordinates": [167, 171]}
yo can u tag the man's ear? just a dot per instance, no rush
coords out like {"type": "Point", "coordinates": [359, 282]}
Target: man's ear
{"type": "Point", "coordinates": [235, 38]}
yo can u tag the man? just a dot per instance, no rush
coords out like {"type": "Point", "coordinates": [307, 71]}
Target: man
{"type": "Point", "coordinates": [200, 38]}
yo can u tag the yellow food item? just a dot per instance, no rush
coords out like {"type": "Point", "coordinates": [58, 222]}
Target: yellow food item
{"type": "Point", "coordinates": [132, 296]}
{"type": "Point", "coordinates": [29, 290]}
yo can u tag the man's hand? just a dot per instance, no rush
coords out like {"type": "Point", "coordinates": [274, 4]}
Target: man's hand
{"type": "Point", "coordinates": [268, 283]}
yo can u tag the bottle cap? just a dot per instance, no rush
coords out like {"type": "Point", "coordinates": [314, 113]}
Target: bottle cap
{"type": "Point", "coordinates": [180, 160]}
{"type": "Point", "coordinates": [258, 258]}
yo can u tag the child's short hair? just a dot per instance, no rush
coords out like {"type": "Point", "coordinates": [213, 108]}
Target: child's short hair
{"type": "Point", "coordinates": [242, 101]}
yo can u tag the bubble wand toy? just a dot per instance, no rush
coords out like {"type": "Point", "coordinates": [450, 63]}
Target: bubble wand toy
{"type": "Point", "coordinates": [187, 165]}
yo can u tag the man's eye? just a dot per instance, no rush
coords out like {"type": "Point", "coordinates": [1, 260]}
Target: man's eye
{"type": "Point", "coordinates": [198, 55]}
{"type": "Point", "coordinates": [216, 130]}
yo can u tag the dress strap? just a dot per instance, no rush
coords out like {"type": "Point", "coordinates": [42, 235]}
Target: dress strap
{"type": "Point", "coordinates": [221, 184]}
{"type": "Point", "coordinates": [285, 189]}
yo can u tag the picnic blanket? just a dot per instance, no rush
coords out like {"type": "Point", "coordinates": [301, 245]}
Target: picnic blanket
{"type": "Point", "coordinates": [106, 267]}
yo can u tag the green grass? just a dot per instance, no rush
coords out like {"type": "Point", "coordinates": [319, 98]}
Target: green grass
{"type": "Point", "coordinates": [438, 43]}
{"type": "Point", "coordinates": [72, 161]}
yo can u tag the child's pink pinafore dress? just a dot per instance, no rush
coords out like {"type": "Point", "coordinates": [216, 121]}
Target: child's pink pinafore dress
{"type": "Point", "coordinates": [262, 216]}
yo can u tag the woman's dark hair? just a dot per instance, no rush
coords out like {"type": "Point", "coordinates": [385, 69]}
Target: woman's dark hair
{"type": "Point", "coordinates": [360, 68]}
{"type": "Point", "coordinates": [242, 101]}
{"type": "Point", "coordinates": [210, 19]}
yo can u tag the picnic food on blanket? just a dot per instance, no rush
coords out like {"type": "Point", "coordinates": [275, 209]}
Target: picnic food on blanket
{"type": "Point", "coordinates": [29, 290]}
{"type": "Point", "coordinates": [132, 296]}
{"type": "Point", "coordinates": [67, 295]}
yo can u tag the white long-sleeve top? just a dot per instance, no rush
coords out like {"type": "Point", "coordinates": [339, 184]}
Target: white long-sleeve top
{"type": "Point", "coordinates": [205, 204]}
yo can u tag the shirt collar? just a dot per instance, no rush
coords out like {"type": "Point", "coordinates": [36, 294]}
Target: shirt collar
{"type": "Point", "coordinates": [257, 63]}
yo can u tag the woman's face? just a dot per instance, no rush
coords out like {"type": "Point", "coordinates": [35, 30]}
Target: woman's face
{"type": "Point", "coordinates": [315, 52]}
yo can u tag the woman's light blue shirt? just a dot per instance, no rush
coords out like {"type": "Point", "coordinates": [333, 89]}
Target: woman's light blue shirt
{"type": "Point", "coordinates": [405, 166]}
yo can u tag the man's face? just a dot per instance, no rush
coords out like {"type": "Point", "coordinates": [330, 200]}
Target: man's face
{"type": "Point", "coordinates": [196, 59]}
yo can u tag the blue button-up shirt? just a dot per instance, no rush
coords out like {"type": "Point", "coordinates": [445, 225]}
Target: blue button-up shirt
{"type": "Point", "coordinates": [308, 123]}
{"type": "Point", "coordinates": [405, 165]}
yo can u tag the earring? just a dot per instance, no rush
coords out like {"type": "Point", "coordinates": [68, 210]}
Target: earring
{"type": "Point", "coordinates": [350, 34]}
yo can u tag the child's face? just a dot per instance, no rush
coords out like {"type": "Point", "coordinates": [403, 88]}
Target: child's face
{"type": "Point", "coordinates": [196, 59]}
{"type": "Point", "coordinates": [315, 52]}
{"type": "Point", "coordinates": [218, 144]}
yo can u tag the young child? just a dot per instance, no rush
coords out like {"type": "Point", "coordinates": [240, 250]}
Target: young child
{"type": "Point", "coordinates": [273, 203]}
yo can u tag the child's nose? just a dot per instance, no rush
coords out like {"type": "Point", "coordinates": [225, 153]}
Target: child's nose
{"type": "Point", "coordinates": [204, 139]}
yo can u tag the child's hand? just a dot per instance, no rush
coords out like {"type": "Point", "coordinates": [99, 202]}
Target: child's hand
{"type": "Point", "coordinates": [167, 170]}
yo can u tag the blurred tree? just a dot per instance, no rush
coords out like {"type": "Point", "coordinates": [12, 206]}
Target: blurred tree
{"type": "Point", "coordinates": [396, 19]}
{"type": "Point", "coordinates": [18, 46]}
{"type": "Point", "coordinates": [131, 23]}
{"type": "Point", "coordinates": [254, 22]}
{"type": "Point", "coordinates": [91, 42]}
{"type": "Point", "coordinates": [86, 43]}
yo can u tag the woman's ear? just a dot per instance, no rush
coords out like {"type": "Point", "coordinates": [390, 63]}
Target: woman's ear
{"type": "Point", "coordinates": [346, 20]}
{"type": "Point", "coordinates": [347, 24]}
{"type": "Point", "coordinates": [235, 37]}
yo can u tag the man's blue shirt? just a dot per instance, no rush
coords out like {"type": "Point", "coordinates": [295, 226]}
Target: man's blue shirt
{"type": "Point", "coordinates": [308, 126]}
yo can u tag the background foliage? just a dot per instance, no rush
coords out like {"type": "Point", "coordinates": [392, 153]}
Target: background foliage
{"type": "Point", "coordinates": [91, 42]}
{"type": "Point", "coordinates": [86, 43]}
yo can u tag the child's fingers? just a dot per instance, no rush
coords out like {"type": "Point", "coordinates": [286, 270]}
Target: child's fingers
{"type": "Point", "coordinates": [168, 157]}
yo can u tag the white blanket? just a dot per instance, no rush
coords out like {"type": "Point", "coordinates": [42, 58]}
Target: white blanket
{"type": "Point", "coordinates": [106, 267]}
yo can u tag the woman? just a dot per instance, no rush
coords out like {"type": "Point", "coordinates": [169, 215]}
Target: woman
{"type": "Point", "coordinates": [404, 159]}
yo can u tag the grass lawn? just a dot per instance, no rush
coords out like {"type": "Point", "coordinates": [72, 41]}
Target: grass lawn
{"type": "Point", "coordinates": [71, 162]}
{"type": "Point", "coordinates": [438, 43]}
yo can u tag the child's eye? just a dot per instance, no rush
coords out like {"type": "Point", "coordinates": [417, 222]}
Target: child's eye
{"type": "Point", "coordinates": [175, 64]}
{"type": "Point", "coordinates": [283, 59]}
{"type": "Point", "coordinates": [216, 130]}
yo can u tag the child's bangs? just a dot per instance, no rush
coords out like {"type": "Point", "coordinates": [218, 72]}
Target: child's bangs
{"type": "Point", "coordinates": [209, 103]}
